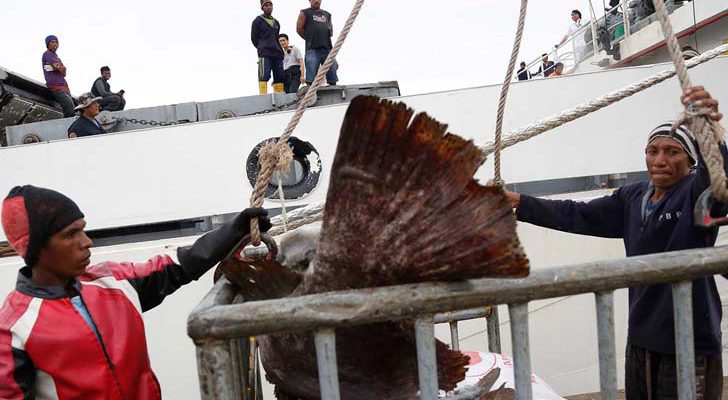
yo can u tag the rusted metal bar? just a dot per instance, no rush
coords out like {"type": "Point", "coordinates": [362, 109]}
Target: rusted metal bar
{"type": "Point", "coordinates": [216, 371]}
{"type": "Point", "coordinates": [682, 305]}
{"type": "Point", "coordinates": [607, 347]}
{"type": "Point", "coordinates": [493, 328]}
{"type": "Point", "coordinates": [328, 373]}
{"type": "Point", "coordinates": [213, 321]}
{"type": "Point", "coordinates": [237, 361]}
{"type": "Point", "coordinates": [521, 350]}
{"type": "Point", "coordinates": [480, 312]}
{"type": "Point", "coordinates": [426, 359]}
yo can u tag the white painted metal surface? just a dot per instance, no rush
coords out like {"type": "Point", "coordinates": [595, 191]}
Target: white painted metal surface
{"type": "Point", "coordinates": [198, 170]}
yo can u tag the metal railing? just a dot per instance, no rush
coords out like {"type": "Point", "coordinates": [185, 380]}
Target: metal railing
{"type": "Point", "coordinates": [216, 322]}
{"type": "Point", "coordinates": [620, 22]}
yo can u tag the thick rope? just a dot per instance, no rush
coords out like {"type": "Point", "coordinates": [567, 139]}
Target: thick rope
{"type": "Point", "coordinates": [504, 93]}
{"type": "Point", "coordinates": [267, 167]}
{"type": "Point", "coordinates": [314, 212]}
{"type": "Point", "coordinates": [707, 132]}
{"type": "Point", "coordinates": [524, 133]}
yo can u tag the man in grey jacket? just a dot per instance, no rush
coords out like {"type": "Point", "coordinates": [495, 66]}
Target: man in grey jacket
{"type": "Point", "coordinates": [109, 101]}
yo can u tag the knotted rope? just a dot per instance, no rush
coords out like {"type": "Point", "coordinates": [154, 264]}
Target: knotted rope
{"type": "Point", "coordinates": [707, 132]}
{"type": "Point", "coordinates": [504, 93]}
{"type": "Point", "coordinates": [554, 121]}
{"type": "Point", "coordinates": [270, 160]}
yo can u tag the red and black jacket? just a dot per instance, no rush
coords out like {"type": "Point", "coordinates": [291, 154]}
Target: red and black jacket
{"type": "Point", "coordinates": [48, 351]}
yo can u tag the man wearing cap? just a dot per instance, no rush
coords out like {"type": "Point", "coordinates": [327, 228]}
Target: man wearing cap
{"type": "Point", "coordinates": [654, 217]}
{"type": "Point", "coordinates": [264, 35]}
{"type": "Point", "coordinates": [86, 124]}
{"type": "Point", "coordinates": [55, 76]}
{"type": "Point", "coordinates": [74, 331]}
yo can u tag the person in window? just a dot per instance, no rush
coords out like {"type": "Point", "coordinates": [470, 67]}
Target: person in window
{"type": "Point", "coordinates": [654, 217]}
{"type": "Point", "coordinates": [71, 330]}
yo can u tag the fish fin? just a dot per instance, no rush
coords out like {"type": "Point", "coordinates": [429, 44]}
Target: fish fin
{"type": "Point", "coordinates": [403, 206]}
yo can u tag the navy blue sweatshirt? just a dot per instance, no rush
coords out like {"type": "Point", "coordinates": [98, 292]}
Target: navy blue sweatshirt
{"type": "Point", "coordinates": [265, 37]}
{"type": "Point", "coordinates": [669, 227]}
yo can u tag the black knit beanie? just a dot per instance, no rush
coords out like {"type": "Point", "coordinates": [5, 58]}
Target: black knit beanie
{"type": "Point", "coordinates": [30, 215]}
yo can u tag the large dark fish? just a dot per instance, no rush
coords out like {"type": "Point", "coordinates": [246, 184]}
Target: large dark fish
{"type": "Point", "coordinates": [402, 207]}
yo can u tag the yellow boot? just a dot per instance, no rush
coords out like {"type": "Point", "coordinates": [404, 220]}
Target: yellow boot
{"type": "Point", "coordinates": [277, 88]}
{"type": "Point", "coordinates": [263, 87]}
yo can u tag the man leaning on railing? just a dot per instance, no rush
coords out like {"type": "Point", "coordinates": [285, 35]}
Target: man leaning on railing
{"type": "Point", "coordinates": [654, 217]}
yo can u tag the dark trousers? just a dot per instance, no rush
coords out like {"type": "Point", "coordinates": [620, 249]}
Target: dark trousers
{"type": "Point", "coordinates": [266, 65]}
{"type": "Point", "coordinates": [651, 376]}
{"type": "Point", "coordinates": [66, 102]}
{"type": "Point", "coordinates": [112, 103]}
{"type": "Point", "coordinates": [293, 79]}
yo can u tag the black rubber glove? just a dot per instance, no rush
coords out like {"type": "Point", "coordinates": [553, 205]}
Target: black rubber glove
{"type": "Point", "coordinates": [213, 246]}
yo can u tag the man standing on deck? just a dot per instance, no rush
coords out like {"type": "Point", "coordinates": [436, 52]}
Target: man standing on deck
{"type": "Point", "coordinates": [264, 35]}
{"type": "Point", "coordinates": [314, 25]}
{"type": "Point", "coordinates": [292, 65]}
{"type": "Point", "coordinates": [55, 76]}
{"type": "Point", "coordinates": [574, 27]}
{"type": "Point", "coordinates": [110, 101]}
{"type": "Point", "coordinates": [654, 217]}
{"type": "Point", "coordinates": [74, 331]}
{"type": "Point", "coordinates": [86, 124]}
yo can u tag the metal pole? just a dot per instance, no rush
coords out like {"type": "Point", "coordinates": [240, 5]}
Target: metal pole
{"type": "Point", "coordinates": [216, 370]}
{"type": "Point", "coordinates": [494, 342]}
{"type": "Point", "coordinates": [426, 358]}
{"type": "Point", "coordinates": [607, 348]}
{"type": "Point", "coordinates": [325, 340]}
{"type": "Point", "coordinates": [521, 356]}
{"type": "Point", "coordinates": [593, 25]}
{"type": "Point", "coordinates": [625, 18]}
{"type": "Point", "coordinates": [454, 336]}
{"type": "Point", "coordinates": [682, 299]}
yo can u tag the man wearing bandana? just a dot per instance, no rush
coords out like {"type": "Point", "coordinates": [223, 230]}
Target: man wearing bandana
{"type": "Point", "coordinates": [654, 217]}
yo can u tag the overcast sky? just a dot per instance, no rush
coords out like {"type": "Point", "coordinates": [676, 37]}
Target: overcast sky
{"type": "Point", "coordinates": [165, 52]}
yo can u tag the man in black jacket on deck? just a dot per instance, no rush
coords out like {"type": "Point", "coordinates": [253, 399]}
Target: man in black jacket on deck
{"type": "Point", "coordinates": [264, 35]}
{"type": "Point", "coordinates": [654, 217]}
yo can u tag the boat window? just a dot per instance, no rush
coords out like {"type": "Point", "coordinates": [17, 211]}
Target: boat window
{"type": "Point", "coordinates": [302, 177]}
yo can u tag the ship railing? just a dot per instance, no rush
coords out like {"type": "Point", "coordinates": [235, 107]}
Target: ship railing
{"type": "Point", "coordinates": [218, 325]}
{"type": "Point", "coordinates": [620, 22]}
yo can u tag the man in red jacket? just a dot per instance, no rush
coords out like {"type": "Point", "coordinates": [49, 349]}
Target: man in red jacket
{"type": "Point", "coordinates": [74, 331]}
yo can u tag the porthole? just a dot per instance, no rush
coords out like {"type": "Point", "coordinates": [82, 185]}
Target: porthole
{"type": "Point", "coordinates": [303, 174]}
{"type": "Point", "coordinates": [31, 138]}
{"type": "Point", "coordinates": [224, 114]}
